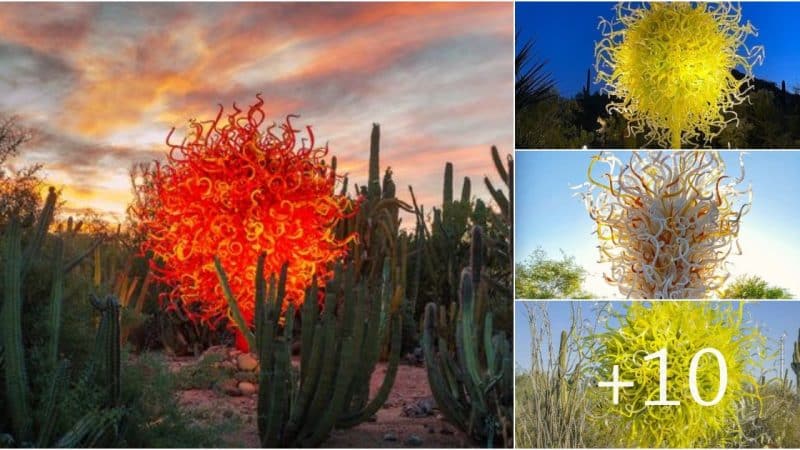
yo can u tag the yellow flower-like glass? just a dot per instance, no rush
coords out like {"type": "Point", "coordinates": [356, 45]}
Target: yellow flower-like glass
{"type": "Point", "coordinates": [682, 329]}
{"type": "Point", "coordinates": [668, 68]}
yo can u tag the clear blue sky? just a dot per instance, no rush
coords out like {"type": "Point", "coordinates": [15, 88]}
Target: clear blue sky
{"type": "Point", "coordinates": [549, 216]}
{"type": "Point", "coordinates": [565, 33]}
{"type": "Point", "coordinates": [773, 318]}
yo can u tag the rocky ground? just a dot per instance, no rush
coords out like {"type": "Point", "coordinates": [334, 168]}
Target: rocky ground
{"type": "Point", "coordinates": [222, 385]}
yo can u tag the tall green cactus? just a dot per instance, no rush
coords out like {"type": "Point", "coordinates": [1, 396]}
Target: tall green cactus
{"type": "Point", "coordinates": [18, 395]}
{"type": "Point", "coordinates": [16, 376]}
{"type": "Point", "coordinates": [796, 361]}
{"type": "Point", "coordinates": [470, 371]}
{"type": "Point", "coordinates": [339, 349]}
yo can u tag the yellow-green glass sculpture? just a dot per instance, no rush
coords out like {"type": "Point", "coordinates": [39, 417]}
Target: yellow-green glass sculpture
{"type": "Point", "coordinates": [667, 67]}
{"type": "Point", "coordinates": [682, 329]}
{"type": "Point", "coordinates": [666, 221]}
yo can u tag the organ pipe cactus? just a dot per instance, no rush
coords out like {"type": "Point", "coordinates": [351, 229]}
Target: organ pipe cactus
{"type": "Point", "coordinates": [18, 395]}
{"type": "Point", "coordinates": [796, 361]}
{"type": "Point", "coordinates": [340, 346]}
{"type": "Point", "coordinates": [470, 370]}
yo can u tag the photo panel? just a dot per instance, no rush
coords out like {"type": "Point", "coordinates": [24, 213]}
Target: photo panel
{"type": "Point", "coordinates": [275, 224]}
{"type": "Point", "coordinates": [674, 374]}
{"type": "Point", "coordinates": [656, 224]}
{"type": "Point", "coordinates": [656, 75]}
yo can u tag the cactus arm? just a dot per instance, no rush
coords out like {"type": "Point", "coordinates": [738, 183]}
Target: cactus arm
{"type": "Point", "coordinates": [97, 276]}
{"type": "Point", "coordinates": [272, 411]}
{"type": "Point", "coordinates": [309, 315]}
{"type": "Point", "coordinates": [58, 380]}
{"type": "Point", "coordinates": [234, 307]}
{"type": "Point", "coordinates": [359, 330]}
{"type": "Point", "coordinates": [56, 300]}
{"type": "Point", "coordinates": [374, 184]}
{"type": "Point", "coordinates": [796, 361]}
{"type": "Point", "coordinates": [320, 401]}
{"type": "Point", "coordinates": [98, 356]}
{"type": "Point", "coordinates": [498, 196]}
{"type": "Point", "coordinates": [308, 383]}
{"type": "Point", "coordinates": [323, 427]}
{"type": "Point", "coordinates": [498, 164]}
{"type": "Point", "coordinates": [73, 263]}
{"type": "Point", "coordinates": [447, 191]}
{"type": "Point", "coordinates": [107, 347]}
{"type": "Point", "coordinates": [466, 191]}
{"type": "Point", "coordinates": [16, 377]}
{"type": "Point", "coordinates": [488, 345]}
{"type": "Point", "coordinates": [88, 429]}
{"type": "Point", "coordinates": [371, 348]}
{"type": "Point", "coordinates": [439, 386]}
{"type": "Point", "coordinates": [323, 354]}
{"type": "Point", "coordinates": [388, 381]}
{"type": "Point", "coordinates": [40, 231]}
{"type": "Point", "coordinates": [113, 344]}
{"type": "Point", "coordinates": [467, 342]}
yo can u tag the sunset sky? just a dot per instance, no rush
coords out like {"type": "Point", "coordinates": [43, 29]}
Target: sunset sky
{"type": "Point", "coordinates": [101, 85]}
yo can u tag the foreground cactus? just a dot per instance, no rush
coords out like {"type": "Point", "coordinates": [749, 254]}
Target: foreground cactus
{"type": "Point", "coordinates": [339, 349]}
{"type": "Point", "coordinates": [471, 371]}
{"type": "Point", "coordinates": [18, 396]}
{"type": "Point", "coordinates": [796, 361]}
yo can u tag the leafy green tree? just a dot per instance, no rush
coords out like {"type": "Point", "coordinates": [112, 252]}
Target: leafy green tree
{"type": "Point", "coordinates": [754, 287]}
{"type": "Point", "coordinates": [540, 277]}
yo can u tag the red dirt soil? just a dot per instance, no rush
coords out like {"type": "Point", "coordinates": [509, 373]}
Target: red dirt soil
{"type": "Point", "coordinates": [391, 429]}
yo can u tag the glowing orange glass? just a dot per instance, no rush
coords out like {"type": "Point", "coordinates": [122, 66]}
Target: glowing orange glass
{"type": "Point", "coordinates": [233, 188]}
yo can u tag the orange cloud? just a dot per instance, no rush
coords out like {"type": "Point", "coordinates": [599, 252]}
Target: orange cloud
{"type": "Point", "coordinates": [54, 27]}
{"type": "Point", "coordinates": [437, 76]}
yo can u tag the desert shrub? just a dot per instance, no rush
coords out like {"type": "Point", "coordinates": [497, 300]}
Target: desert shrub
{"type": "Point", "coordinates": [553, 399]}
{"type": "Point", "coordinates": [203, 374]}
{"type": "Point", "coordinates": [754, 287]}
{"type": "Point", "coordinates": [780, 416]}
{"type": "Point", "coordinates": [155, 418]}
{"type": "Point", "coordinates": [540, 277]}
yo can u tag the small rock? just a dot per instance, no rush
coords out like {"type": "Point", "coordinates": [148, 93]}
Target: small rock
{"type": "Point", "coordinates": [446, 431]}
{"type": "Point", "coordinates": [421, 408]}
{"type": "Point", "coordinates": [251, 377]}
{"type": "Point", "coordinates": [227, 414]}
{"type": "Point", "coordinates": [247, 388]}
{"type": "Point", "coordinates": [389, 437]}
{"type": "Point", "coordinates": [414, 441]}
{"type": "Point", "coordinates": [246, 361]}
{"type": "Point", "coordinates": [229, 387]}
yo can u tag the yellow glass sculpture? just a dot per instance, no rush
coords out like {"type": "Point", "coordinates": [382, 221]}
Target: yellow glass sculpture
{"type": "Point", "coordinates": [668, 68]}
{"type": "Point", "coordinates": [682, 329]}
{"type": "Point", "coordinates": [666, 221]}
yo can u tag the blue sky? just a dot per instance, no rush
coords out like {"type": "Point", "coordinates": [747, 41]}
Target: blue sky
{"type": "Point", "coordinates": [773, 318]}
{"type": "Point", "coordinates": [549, 216]}
{"type": "Point", "coordinates": [565, 33]}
